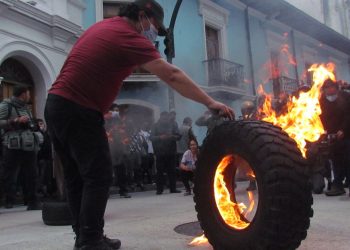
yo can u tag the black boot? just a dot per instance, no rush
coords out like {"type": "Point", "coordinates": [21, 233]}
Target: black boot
{"type": "Point", "coordinates": [9, 202]}
{"type": "Point", "coordinates": [112, 243]}
{"type": "Point", "coordinates": [142, 188]}
{"type": "Point", "coordinates": [8, 205]}
{"type": "Point", "coordinates": [34, 205]}
{"type": "Point", "coordinates": [188, 192]}
{"type": "Point", "coordinates": [335, 191]}
{"type": "Point", "coordinates": [124, 195]}
{"type": "Point", "coordinates": [104, 244]}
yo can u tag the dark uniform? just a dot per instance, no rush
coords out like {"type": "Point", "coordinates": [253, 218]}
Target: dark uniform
{"type": "Point", "coordinates": [165, 151]}
{"type": "Point", "coordinates": [335, 118]}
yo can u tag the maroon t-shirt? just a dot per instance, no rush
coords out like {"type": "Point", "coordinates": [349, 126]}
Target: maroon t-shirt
{"type": "Point", "coordinates": [100, 60]}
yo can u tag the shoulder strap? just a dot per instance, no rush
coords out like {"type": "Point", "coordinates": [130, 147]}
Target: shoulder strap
{"type": "Point", "coordinates": [10, 106]}
{"type": "Point", "coordinates": [9, 110]}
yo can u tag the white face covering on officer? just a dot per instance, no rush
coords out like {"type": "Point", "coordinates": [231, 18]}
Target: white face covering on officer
{"type": "Point", "coordinates": [115, 114]}
{"type": "Point", "coordinates": [152, 33]}
{"type": "Point", "coordinates": [332, 98]}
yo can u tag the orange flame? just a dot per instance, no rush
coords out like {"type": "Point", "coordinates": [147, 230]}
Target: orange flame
{"type": "Point", "coordinates": [281, 63]}
{"type": "Point", "coordinates": [251, 202]}
{"type": "Point", "coordinates": [301, 121]}
{"type": "Point", "coordinates": [230, 211]}
{"type": "Point", "coordinates": [200, 240]}
{"type": "Point", "coordinates": [285, 51]}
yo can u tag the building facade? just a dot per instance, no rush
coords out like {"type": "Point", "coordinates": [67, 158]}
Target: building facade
{"type": "Point", "coordinates": [35, 38]}
{"type": "Point", "coordinates": [229, 47]}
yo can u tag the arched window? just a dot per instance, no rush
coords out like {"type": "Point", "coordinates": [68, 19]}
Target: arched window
{"type": "Point", "coordinates": [15, 73]}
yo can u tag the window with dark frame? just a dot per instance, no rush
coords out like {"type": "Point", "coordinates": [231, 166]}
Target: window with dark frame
{"type": "Point", "coordinates": [309, 74]}
{"type": "Point", "coordinates": [275, 73]}
{"type": "Point", "coordinates": [212, 42]}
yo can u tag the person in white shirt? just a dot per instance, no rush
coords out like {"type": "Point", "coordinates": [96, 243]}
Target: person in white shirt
{"type": "Point", "coordinates": [147, 161]}
{"type": "Point", "coordinates": [188, 165]}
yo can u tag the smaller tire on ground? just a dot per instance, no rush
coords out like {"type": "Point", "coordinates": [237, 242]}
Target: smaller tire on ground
{"type": "Point", "coordinates": [56, 214]}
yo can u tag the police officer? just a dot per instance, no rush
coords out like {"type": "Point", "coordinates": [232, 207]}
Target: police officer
{"type": "Point", "coordinates": [335, 119]}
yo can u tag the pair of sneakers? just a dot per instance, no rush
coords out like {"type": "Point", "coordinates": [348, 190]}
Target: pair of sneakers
{"type": "Point", "coordinates": [104, 244]}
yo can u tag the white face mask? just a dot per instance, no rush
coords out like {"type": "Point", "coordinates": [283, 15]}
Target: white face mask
{"type": "Point", "coordinates": [331, 98]}
{"type": "Point", "coordinates": [115, 114]}
{"type": "Point", "coordinates": [150, 34]}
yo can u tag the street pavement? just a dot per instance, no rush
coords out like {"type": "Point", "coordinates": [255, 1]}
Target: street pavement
{"type": "Point", "coordinates": [147, 222]}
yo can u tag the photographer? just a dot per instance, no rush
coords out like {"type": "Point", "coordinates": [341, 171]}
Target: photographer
{"type": "Point", "coordinates": [335, 119]}
{"type": "Point", "coordinates": [20, 147]}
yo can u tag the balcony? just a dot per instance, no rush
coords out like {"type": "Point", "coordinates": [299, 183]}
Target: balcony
{"type": "Point", "coordinates": [222, 72]}
{"type": "Point", "coordinates": [285, 84]}
{"type": "Point", "coordinates": [289, 85]}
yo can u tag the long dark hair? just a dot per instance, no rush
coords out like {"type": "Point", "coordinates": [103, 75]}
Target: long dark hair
{"type": "Point", "coordinates": [132, 11]}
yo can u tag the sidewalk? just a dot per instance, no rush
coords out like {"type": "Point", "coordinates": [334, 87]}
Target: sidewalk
{"type": "Point", "coordinates": [147, 222]}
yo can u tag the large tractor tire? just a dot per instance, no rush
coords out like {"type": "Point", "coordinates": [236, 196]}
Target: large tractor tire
{"type": "Point", "coordinates": [283, 211]}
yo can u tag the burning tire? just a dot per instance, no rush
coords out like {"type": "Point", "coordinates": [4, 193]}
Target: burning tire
{"type": "Point", "coordinates": [283, 210]}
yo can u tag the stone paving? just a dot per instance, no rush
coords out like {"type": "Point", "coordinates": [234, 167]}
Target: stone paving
{"type": "Point", "coordinates": [147, 222]}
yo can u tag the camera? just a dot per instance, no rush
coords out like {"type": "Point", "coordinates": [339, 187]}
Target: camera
{"type": "Point", "coordinates": [32, 125]}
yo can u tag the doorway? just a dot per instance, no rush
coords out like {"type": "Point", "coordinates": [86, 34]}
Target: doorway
{"type": "Point", "coordinates": [16, 74]}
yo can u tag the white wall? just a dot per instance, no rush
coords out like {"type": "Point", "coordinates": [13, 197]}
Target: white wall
{"type": "Point", "coordinates": [38, 40]}
{"type": "Point", "coordinates": [313, 8]}
{"type": "Point", "coordinates": [71, 10]}
{"type": "Point", "coordinates": [337, 14]}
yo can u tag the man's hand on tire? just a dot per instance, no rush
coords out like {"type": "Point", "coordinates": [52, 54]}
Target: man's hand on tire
{"type": "Point", "coordinates": [222, 110]}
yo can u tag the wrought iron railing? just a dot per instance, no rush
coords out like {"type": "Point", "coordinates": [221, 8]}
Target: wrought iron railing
{"type": "Point", "coordinates": [224, 72]}
{"type": "Point", "coordinates": [288, 85]}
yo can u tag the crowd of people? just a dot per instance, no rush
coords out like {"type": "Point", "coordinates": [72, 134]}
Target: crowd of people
{"type": "Point", "coordinates": [144, 153]}
{"type": "Point", "coordinates": [78, 113]}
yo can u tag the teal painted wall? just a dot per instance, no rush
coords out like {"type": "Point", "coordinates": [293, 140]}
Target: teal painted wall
{"type": "Point", "coordinates": [190, 53]}
{"type": "Point", "coordinates": [89, 16]}
{"type": "Point", "coordinates": [189, 38]}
